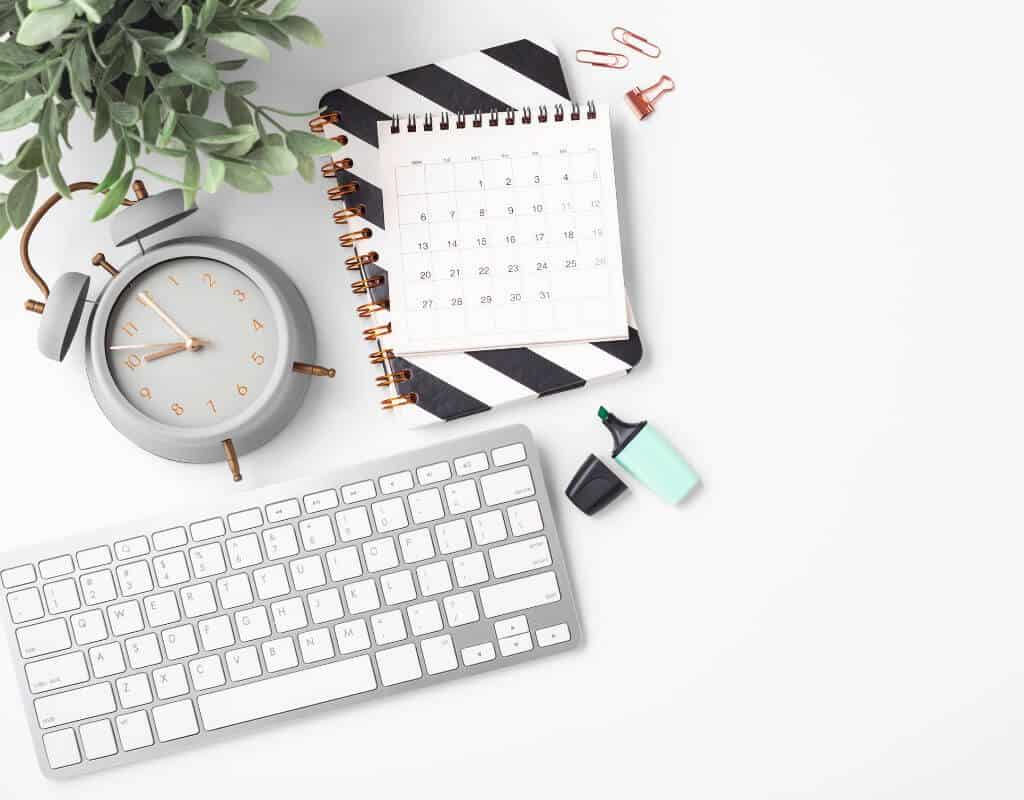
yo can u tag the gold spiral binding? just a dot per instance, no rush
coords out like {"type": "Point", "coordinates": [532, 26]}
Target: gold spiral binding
{"type": "Point", "coordinates": [342, 215]}
{"type": "Point", "coordinates": [392, 378]}
{"type": "Point", "coordinates": [369, 309]}
{"type": "Point", "coordinates": [339, 192]}
{"type": "Point", "coordinates": [374, 333]}
{"type": "Point", "coordinates": [361, 260]}
{"type": "Point", "coordinates": [332, 168]}
{"type": "Point", "coordinates": [363, 285]}
{"type": "Point", "coordinates": [382, 355]}
{"type": "Point", "coordinates": [349, 239]}
{"type": "Point", "coordinates": [389, 403]}
{"type": "Point", "coordinates": [318, 123]}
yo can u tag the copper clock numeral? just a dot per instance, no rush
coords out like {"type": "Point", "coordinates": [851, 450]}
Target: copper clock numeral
{"type": "Point", "coordinates": [146, 393]}
{"type": "Point", "coordinates": [173, 280]}
{"type": "Point", "coordinates": [240, 295]}
{"type": "Point", "coordinates": [257, 325]}
{"type": "Point", "coordinates": [146, 294]}
{"type": "Point", "coordinates": [130, 328]}
{"type": "Point", "coordinates": [258, 359]}
{"type": "Point", "coordinates": [243, 390]}
{"type": "Point", "coordinates": [210, 280]}
{"type": "Point", "coordinates": [212, 405]}
{"type": "Point", "coordinates": [133, 361]}
{"type": "Point", "coordinates": [178, 409]}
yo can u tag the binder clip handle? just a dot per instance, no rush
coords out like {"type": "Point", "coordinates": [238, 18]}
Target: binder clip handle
{"type": "Point", "coordinates": [642, 100]}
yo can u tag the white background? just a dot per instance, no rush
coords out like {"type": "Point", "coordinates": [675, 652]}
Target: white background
{"type": "Point", "coordinates": [822, 237]}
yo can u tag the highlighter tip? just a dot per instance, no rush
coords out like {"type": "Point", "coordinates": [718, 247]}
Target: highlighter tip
{"type": "Point", "coordinates": [602, 412]}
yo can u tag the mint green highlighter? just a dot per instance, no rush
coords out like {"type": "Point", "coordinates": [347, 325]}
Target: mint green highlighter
{"type": "Point", "coordinates": [649, 458]}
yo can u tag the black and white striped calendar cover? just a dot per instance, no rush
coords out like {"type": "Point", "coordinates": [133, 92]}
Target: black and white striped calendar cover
{"type": "Point", "coordinates": [446, 386]}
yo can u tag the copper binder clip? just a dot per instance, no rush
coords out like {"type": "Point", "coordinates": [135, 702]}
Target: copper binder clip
{"type": "Point", "coordinates": [643, 100]}
{"type": "Point", "coordinates": [635, 41]}
{"type": "Point", "coordinates": [599, 58]}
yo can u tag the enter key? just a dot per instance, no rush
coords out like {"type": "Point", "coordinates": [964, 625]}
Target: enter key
{"type": "Point", "coordinates": [511, 559]}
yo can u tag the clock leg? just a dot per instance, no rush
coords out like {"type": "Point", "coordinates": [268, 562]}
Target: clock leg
{"type": "Point", "coordinates": [232, 459]}
{"type": "Point", "coordinates": [313, 369]}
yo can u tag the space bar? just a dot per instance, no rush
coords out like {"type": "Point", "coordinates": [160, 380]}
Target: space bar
{"type": "Point", "coordinates": [287, 693]}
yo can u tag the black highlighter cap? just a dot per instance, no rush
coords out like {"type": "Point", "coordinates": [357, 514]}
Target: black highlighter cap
{"type": "Point", "coordinates": [593, 486]}
{"type": "Point", "coordinates": [622, 432]}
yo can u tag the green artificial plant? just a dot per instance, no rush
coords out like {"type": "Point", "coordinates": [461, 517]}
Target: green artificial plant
{"type": "Point", "coordinates": [139, 69]}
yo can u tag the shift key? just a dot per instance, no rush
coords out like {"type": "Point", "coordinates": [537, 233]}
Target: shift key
{"type": "Point", "coordinates": [78, 704]}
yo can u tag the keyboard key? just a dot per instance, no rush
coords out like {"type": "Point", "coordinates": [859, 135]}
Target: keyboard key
{"type": "Point", "coordinates": [352, 636]}
{"type": "Point", "coordinates": [320, 501]}
{"type": "Point", "coordinates": [244, 551]}
{"type": "Point", "coordinates": [416, 546]}
{"type": "Point", "coordinates": [74, 705]}
{"type": "Point", "coordinates": [175, 721]}
{"type": "Point", "coordinates": [234, 591]}
{"type": "Point", "coordinates": [94, 557]}
{"type": "Point", "coordinates": [44, 638]}
{"type": "Point", "coordinates": [279, 654]}
{"type": "Point", "coordinates": [125, 618]}
{"type": "Point", "coordinates": [398, 665]}
{"type": "Point", "coordinates": [325, 606]}
{"type": "Point", "coordinates": [289, 615]}
{"type": "Point", "coordinates": [198, 600]}
{"type": "Point", "coordinates": [55, 567]}
{"type": "Point", "coordinates": [62, 596]}
{"type": "Point", "coordinates": [489, 528]}
{"type": "Point", "coordinates": [281, 542]}
{"type": "Point", "coordinates": [353, 523]}
{"type": "Point", "coordinates": [131, 548]}
{"type": "Point", "coordinates": [357, 492]}
{"type": "Point", "coordinates": [133, 730]}
{"type": "Point", "coordinates": [171, 570]}
{"type": "Point", "coordinates": [467, 465]}
{"type": "Point", "coordinates": [556, 634]}
{"type": "Point", "coordinates": [252, 624]}
{"type": "Point", "coordinates": [134, 691]}
{"type": "Point", "coordinates": [388, 627]}
{"type": "Point", "coordinates": [134, 578]}
{"type": "Point", "coordinates": [88, 627]}
{"type": "Point", "coordinates": [512, 484]}
{"type": "Point", "coordinates": [460, 609]}
{"type": "Point", "coordinates": [180, 642]}
{"type": "Point", "coordinates": [18, 576]}
{"type": "Point", "coordinates": [207, 673]}
{"type": "Point", "coordinates": [271, 582]}
{"type": "Point", "coordinates": [397, 587]}
{"type": "Point", "coordinates": [389, 515]}
{"type": "Point", "coordinates": [107, 660]}
{"type": "Point", "coordinates": [143, 651]}
{"type": "Point", "coordinates": [316, 646]}
{"type": "Point", "coordinates": [511, 627]}
{"type": "Point", "coordinates": [207, 560]}
{"type": "Point", "coordinates": [25, 605]}
{"type": "Point", "coordinates": [439, 654]}
{"type": "Point", "coordinates": [452, 536]}
{"type": "Point", "coordinates": [399, 482]}
{"type": "Point", "coordinates": [425, 506]}
{"type": "Point", "coordinates": [283, 510]}
{"type": "Point", "coordinates": [462, 497]}
{"type": "Point", "coordinates": [470, 569]}
{"type": "Point", "coordinates": [525, 518]}
{"type": "Point", "coordinates": [172, 537]}
{"type": "Point", "coordinates": [98, 587]}
{"type": "Point", "coordinates": [434, 578]}
{"type": "Point", "coordinates": [477, 654]}
{"type": "Point", "coordinates": [287, 692]}
{"type": "Point", "coordinates": [513, 645]}
{"type": "Point", "coordinates": [519, 595]}
{"type": "Point", "coordinates": [244, 664]}
{"type": "Point", "coordinates": [380, 554]}
{"type": "Point", "coordinates": [207, 529]}
{"type": "Point", "coordinates": [61, 749]}
{"type": "Point", "coordinates": [216, 633]}
{"type": "Point", "coordinates": [316, 533]}
{"type": "Point", "coordinates": [307, 573]}
{"type": "Point", "coordinates": [170, 682]}
{"type": "Point", "coordinates": [509, 454]}
{"type": "Point", "coordinates": [521, 556]}
{"type": "Point", "coordinates": [56, 673]}
{"type": "Point", "coordinates": [344, 564]}
{"type": "Point", "coordinates": [98, 739]}
{"type": "Point", "coordinates": [361, 597]}
{"type": "Point", "coordinates": [244, 520]}
{"type": "Point", "coordinates": [424, 618]}
{"type": "Point", "coordinates": [432, 473]}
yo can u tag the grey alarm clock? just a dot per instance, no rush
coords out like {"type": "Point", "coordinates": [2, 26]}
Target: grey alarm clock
{"type": "Point", "coordinates": [197, 349]}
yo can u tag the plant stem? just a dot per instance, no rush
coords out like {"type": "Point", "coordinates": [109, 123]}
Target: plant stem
{"type": "Point", "coordinates": [260, 112]}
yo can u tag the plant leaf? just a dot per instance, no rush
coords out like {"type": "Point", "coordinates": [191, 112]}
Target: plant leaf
{"type": "Point", "coordinates": [135, 12]}
{"type": "Point", "coordinates": [78, 65]}
{"type": "Point", "coordinates": [274, 160]}
{"type": "Point", "coordinates": [239, 133]}
{"type": "Point", "coordinates": [206, 14]}
{"type": "Point", "coordinates": [39, 5]}
{"type": "Point", "coordinates": [186, 24]}
{"type": "Point", "coordinates": [303, 30]}
{"type": "Point", "coordinates": [22, 112]}
{"type": "Point", "coordinates": [10, 95]}
{"type": "Point", "coordinates": [21, 199]}
{"type": "Point", "coordinates": [308, 144]}
{"type": "Point", "coordinates": [197, 127]}
{"type": "Point", "coordinates": [236, 109]}
{"type": "Point", "coordinates": [284, 8]}
{"type": "Point", "coordinates": [191, 178]}
{"type": "Point", "coordinates": [197, 70]}
{"type": "Point", "coordinates": [101, 124]}
{"type": "Point", "coordinates": [51, 150]}
{"type": "Point", "coordinates": [198, 101]}
{"type": "Point", "coordinates": [266, 29]}
{"type": "Point", "coordinates": [40, 27]}
{"type": "Point", "coordinates": [243, 43]}
{"type": "Point", "coordinates": [307, 169]}
{"type": "Point", "coordinates": [246, 178]}
{"type": "Point", "coordinates": [91, 13]}
{"type": "Point", "coordinates": [230, 66]}
{"type": "Point", "coordinates": [124, 114]}
{"type": "Point", "coordinates": [5, 224]}
{"type": "Point", "coordinates": [116, 168]}
{"type": "Point", "coordinates": [113, 197]}
{"type": "Point", "coordinates": [30, 154]}
{"type": "Point", "coordinates": [133, 93]}
{"type": "Point", "coordinates": [13, 53]}
{"type": "Point", "coordinates": [241, 87]}
{"type": "Point", "coordinates": [168, 129]}
{"type": "Point", "coordinates": [214, 175]}
{"type": "Point", "coordinates": [151, 118]}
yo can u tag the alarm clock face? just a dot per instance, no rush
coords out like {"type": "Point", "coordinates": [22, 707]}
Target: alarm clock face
{"type": "Point", "coordinates": [191, 342]}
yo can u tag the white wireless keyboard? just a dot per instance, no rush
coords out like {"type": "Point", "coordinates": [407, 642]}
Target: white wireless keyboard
{"type": "Point", "coordinates": [426, 566]}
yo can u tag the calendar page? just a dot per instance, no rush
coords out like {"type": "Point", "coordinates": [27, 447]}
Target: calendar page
{"type": "Point", "coordinates": [501, 236]}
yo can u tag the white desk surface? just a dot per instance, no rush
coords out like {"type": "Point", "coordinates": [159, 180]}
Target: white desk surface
{"type": "Point", "coordinates": [822, 236]}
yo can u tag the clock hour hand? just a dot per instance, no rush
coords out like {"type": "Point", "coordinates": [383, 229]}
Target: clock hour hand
{"type": "Point", "coordinates": [146, 300]}
{"type": "Point", "coordinates": [190, 344]}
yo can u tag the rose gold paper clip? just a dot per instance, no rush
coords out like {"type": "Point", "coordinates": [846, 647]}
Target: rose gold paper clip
{"type": "Point", "coordinates": [642, 100]}
{"type": "Point", "coordinates": [599, 58]}
{"type": "Point", "coordinates": [636, 42]}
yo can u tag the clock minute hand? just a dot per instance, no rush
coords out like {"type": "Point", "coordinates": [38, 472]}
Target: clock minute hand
{"type": "Point", "coordinates": [146, 300]}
